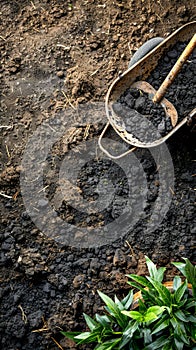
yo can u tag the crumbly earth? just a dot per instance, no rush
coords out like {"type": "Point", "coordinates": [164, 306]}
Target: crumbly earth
{"type": "Point", "coordinates": [136, 104]}
{"type": "Point", "coordinates": [58, 55]}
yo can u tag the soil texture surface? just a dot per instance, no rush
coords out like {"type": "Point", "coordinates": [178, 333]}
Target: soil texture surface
{"type": "Point", "coordinates": [58, 59]}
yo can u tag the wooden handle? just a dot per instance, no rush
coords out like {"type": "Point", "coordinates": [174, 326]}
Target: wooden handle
{"type": "Point", "coordinates": [175, 70]}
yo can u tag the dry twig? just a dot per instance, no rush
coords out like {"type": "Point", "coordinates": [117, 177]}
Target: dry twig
{"type": "Point", "coordinates": [55, 341]}
{"type": "Point", "coordinates": [5, 195]}
{"type": "Point", "coordinates": [24, 317]}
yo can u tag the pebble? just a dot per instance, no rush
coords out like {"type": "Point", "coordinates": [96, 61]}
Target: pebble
{"type": "Point", "coordinates": [172, 54]}
{"type": "Point", "coordinates": [139, 103]}
{"type": "Point", "coordinates": [129, 100]}
{"type": "Point", "coordinates": [35, 318]}
{"type": "Point", "coordinates": [47, 287]}
{"type": "Point", "coordinates": [161, 126]}
{"type": "Point", "coordinates": [60, 74]}
{"type": "Point", "coordinates": [95, 264]}
{"type": "Point", "coordinates": [83, 263]}
{"type": "Point", "coordinates": [78, 280]}
{"type": "Point", "coordinates": [119, 258]}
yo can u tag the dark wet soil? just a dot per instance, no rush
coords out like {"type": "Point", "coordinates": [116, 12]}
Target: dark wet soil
{"type": "Point", "coordinates": [57, 55]}
{"type": "Point", "coordinates": [132, 106]}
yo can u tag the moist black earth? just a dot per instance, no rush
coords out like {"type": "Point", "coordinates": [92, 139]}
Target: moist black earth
{"type": "Point", "coordinates": [132, 106]}
{"type": "Point", "coordinates": [48, 286]}
{"type": "Point", "coordinates": [56, 56]}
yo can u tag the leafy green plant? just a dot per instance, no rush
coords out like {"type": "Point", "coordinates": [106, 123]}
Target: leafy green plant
{"type": "Point", "coordinates": [189, 271]}
{"type": "Point", "coordinates": [178, 323]}
{"type": "Point", "coordinates": [161, 317]}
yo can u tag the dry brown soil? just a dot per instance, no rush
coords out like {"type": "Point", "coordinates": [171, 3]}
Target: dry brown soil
{"type": "Point", "coordinates": [56, 54]}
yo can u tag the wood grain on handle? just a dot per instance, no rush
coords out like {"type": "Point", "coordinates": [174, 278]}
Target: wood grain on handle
{"type": "Point", "coordinates": [175, 70]}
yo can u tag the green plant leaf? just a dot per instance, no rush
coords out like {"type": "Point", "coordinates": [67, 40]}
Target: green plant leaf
{"type": "Point", "coordinates": [161, 325]}
{"type": "Point", "coordinates": [180, 266]}
{"type": "Point", "coordinates": [183, 303]}
{"type": "Point", "coordinates": [181, 316]}
{"type": "Point", "coordinates": [104, 321]}
{"type": "Point", "coordinates": [158, 343]}
{"type": "Point", "coordinates": [108, 301]}
{"type": "Point", "coordinates": [142, 306]}
{"type": "Point", "coordinates": [148, 295]}
{"type": "Point", "coordinates": [113, 309]}
{"type": "Point", "coordinates": [119, 303]}
{"type": "Point", "coordinates": [192, 318]}
{"type": "Point", "coordinates": [180, 333]}
{"type": "Point", "coordinates": [141, 280]}
{"type": "Point", "coordinates": [86, 337]}
{"type": "Point", "coordinates": [156, 309]}
{"type": "Point", "coordinates": [128, 333]}
{"type": "Point", "coordinates": [127, 301]}
{"type": "Point", "coordinates": [70, 335]}
{"type": "Point", "coordinates": [92, 324]}
{"type": "Point", "coordinates": [108, 345]}
{"type": "Point", "coordinates": [188, 270]}
{"type": "Point", "coordinates": [174, 322]}
{"type": "Point", "coordinates": [179, 345]}
{"type": "Point", "coordinates": [168, 346]}
{"type": "Point", "coordinates": [190, 303]}
{"type": "Point", "coordinates": [150, 317]}
{"type": "Point", "coordinates": [156, 274]}
{"type": "Point", "coordinates": [152, 313]}
{"type": "Point", "coordinates": [151, 267]}
{"type": "Point", "coordinates": [193, 333]}
{"type": "Point", "coordinates": [136, 315]}
{"type": "Point", "coordinates": [83, 335]}
{"type": "Point", "coordinates": [164, 293]}
{"type": "Point", "coordinates": [176, 282]}
{"type": "Point", "coordinates": [135, 285]}
{"type": "Point", "coordinates": [180, 291]}
{"type": "Point", "coordinates": [151, 297]}
{"type": "Point", "coordinates": [160, 274]}
{"type": "Point", "coordinates": [147, 336]}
